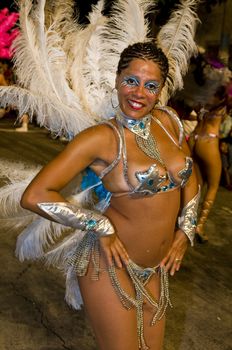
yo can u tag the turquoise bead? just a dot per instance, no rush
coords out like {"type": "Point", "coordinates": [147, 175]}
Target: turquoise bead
{"type": "Point", "coordinates": [91, 224]}
{"type": "Point", "coordinates": [150, 182]}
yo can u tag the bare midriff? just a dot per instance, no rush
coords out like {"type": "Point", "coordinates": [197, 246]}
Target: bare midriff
{"type": "Point", "coordinates": [145, 225]}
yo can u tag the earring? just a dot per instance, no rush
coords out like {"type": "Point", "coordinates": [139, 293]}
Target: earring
{"type": "Point", "coordinates": [114, 98]}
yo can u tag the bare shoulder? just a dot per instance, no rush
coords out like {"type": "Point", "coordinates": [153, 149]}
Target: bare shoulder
{"type": "Point", "coordinates": [100, 133]}
{"type": "Point", "coordinates": [97, 141]}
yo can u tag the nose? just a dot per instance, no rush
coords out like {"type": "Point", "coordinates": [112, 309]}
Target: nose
{"type": "Point", "coordinates": [139, 91]}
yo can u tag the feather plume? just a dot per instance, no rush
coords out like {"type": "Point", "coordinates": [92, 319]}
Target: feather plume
{"type": "Point", "coordinates": [84, 59]}
{"type": "Point", "coordinates": [118, 35]}
{"type": "Point", "coordinates": [53, 115]}
{"type": "Point", "coordinates": [72, 294]}
{"type": "Point", "coordinates": [61, 13]}
{"type": "Point", "coordinates": [40, 63]}
{"type": "Point", "coordinates": [37, 237]}
{"type": "Point", "coordinates": [17, 170]}
{"type": "Point", "coordinates": [126, 26]}
{"type": "Point", "coordinates": [18, 176]}
{"type": "Point", "coordinates": [176, 39]}
{"type": "Point", "coordinates": [10, 202]}
{"type": "Point", "coordinates": [94, 87]}
{"type": "Point", "coordinates": [60, 254]}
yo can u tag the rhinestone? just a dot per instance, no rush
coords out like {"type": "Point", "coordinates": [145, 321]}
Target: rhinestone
{"type": "Point", "coordinates": [91, 224]}
{"type": "Point", "coordinates": [150, 182]}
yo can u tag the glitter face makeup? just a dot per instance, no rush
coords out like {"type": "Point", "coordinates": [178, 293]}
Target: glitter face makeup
{"type": "Point", "coordinates": [139, 86]}
{"type": "Point", "coordinates": [131, 81]}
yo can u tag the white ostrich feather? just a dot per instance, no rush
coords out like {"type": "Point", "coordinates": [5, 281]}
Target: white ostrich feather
{"type": "Point", "coordinates": [126, 26]}
{"type": "Point", "coordinates": [18, 176]}
{"type": "Point", "coordinates": [10, 200]}
{"type": "Point", "coordinates": [62, 16]}
{"type": "Point", "coordinates": [60, 254]}
{"type": "Point", "coordinates": [176, 39]}
{"type": "Point", "coordinates": [17, 170]}
{"type": "Point", "coordinates": [40, 63]}
{"type": "Point", "coordinates": [93, 80]}
{"type": "Point", "coordinates": [53, 115]}
{"type": "Point", "coordinates": [36, 238]}
{"type": "Point", "coordinates": [84, 59]}
{"type": "Point", "coordinates": [72, 294]}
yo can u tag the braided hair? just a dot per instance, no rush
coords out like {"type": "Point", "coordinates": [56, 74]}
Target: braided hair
{"type": "Point", "coordinates": [145, 51]}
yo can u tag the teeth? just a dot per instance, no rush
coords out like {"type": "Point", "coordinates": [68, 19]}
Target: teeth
{"type": "Point", "coordinates": [135, 104]}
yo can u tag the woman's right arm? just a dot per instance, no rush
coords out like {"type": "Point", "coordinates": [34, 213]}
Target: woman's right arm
{"type": "Point", "coordinates": [92, 144]}
{"type": "Point", "coordinates": [86, 147]}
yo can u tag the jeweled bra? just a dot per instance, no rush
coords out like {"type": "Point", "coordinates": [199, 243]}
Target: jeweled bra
{"type": "Point", "coordinates": [150, 181]}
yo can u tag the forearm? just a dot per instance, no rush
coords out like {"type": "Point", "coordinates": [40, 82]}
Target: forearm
{"type": "Point", "coordinates": [30, 200]}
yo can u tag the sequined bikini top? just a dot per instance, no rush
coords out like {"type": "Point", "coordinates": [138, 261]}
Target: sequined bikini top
{"type": "Point", "coordinates": [150, 181]}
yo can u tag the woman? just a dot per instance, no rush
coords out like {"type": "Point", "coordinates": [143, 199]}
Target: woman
{"type": "Point", "coordinates": [125, 255]}
{"type": "Point", "coordinates": [207, 154]}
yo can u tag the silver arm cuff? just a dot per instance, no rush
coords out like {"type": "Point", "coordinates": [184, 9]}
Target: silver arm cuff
{"type": "Point", "coordinates": [70, 215]}
{"type": "Point", "coordinates": [187, 221]}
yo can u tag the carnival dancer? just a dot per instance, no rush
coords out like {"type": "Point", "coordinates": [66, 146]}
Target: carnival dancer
{"type": "Point", "coordinates": [122, 248]}
{"type": "Point", "coordinates": [205, 92]}
{"type": "Point", "coordinates": [207, 155]}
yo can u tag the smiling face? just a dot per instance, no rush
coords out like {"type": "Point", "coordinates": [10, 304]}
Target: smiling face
{"type": "Point", "coordinates": [139, 87]}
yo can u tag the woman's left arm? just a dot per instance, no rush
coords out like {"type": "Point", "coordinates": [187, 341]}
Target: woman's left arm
{"type": "Point", "coordinates": [186, 224]}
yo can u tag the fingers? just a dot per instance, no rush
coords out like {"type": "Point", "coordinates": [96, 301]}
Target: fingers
{"type": "Point", "coordinates": [172, 261]}
{"type": "Point", "coordinates": [175, 265]}
{"type": "Point", "coordinates": [114, 251]}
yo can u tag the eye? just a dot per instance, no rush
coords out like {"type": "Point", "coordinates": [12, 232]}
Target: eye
{"type": "Point", "coordinates": [130, 81]}
{"type": "Point", "coordinates": [153, 87]}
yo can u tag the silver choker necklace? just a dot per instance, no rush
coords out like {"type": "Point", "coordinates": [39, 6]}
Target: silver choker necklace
{"type": "Point", "coordinates": [140, 127]}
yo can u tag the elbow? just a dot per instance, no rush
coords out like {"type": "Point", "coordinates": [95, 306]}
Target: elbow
{"type": "Point", "coordinates": [28, 200]}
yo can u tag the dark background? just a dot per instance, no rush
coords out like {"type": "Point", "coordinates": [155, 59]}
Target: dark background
{"type": "Point", "coordinates": [164, 7]}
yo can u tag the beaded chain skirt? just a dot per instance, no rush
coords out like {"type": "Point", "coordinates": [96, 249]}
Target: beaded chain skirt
{"type": "Point", "coordinates": [89, 250]}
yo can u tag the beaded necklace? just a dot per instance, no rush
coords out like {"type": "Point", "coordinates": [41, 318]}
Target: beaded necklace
{"type": "Point", "coordinates": [142, 130]}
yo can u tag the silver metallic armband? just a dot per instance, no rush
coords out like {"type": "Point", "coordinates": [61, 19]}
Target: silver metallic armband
{"type": "Point", "coordinates": [70, 215]}
{"type": "Point", "coordinates": [187, 221]}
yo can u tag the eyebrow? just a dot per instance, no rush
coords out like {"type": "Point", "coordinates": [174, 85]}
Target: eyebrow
{"type": "Point", "coordinates": [137, 78]}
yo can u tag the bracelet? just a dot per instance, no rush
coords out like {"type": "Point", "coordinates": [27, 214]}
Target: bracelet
{"type": "Point", "coordinates": [187, 221]}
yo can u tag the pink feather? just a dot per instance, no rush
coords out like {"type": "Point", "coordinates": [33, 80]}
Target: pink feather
{"type": "Point", "coordinates": [7, 32]}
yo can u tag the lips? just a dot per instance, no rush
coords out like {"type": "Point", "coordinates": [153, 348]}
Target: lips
{"type": "Point", "coordinates": [135, 105]}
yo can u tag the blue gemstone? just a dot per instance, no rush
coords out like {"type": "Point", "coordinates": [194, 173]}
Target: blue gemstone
{"type": "Point", "coordinates": [150, 182]}
{"type": "Point", "coordinates": [91, 224]}
{"type": "Point", "coordinates": [141, 125]}
{"type": "Point", "coordinates": [145, 274]}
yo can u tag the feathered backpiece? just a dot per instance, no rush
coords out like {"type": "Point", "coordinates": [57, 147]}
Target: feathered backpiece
{"type": "Point", "coordinates": [66, 72]}
{"type": "Point", "coordinates": [65, 76]}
